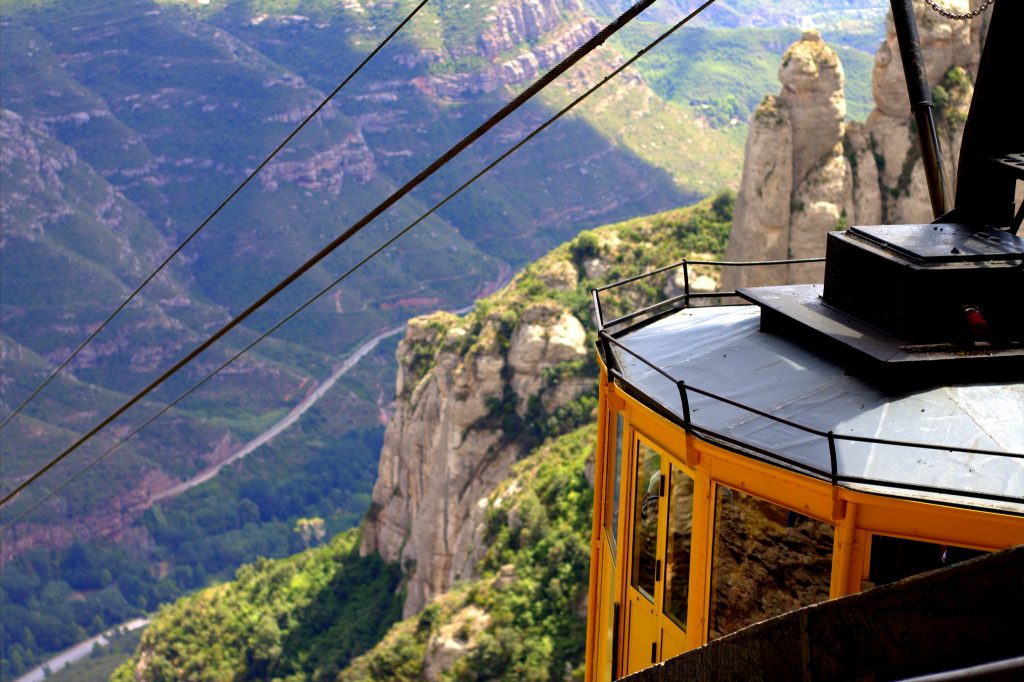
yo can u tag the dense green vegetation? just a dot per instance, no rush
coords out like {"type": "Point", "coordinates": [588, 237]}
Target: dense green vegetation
{"type": "Point", "coordinates": [303, 617]}
{"type": "Point", "coordinates": [249, 511]}
{"type": "Point", "coordinates": [51, 600]}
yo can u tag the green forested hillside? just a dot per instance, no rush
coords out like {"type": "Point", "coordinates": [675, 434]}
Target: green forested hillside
{"type": "Point", "coordinates": [307, 616]}
{"type": "Point", "coordinates": [54, 598]}
{"type": "Point", "coordinates": [723, 74]}
{"type": "Point", "coordinates": [310, 612]}
{"type": "Point", "coordinates": [523, 618]}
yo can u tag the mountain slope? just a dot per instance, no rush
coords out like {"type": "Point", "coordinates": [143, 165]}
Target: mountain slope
{"type": "Point", "coordinates": [524, 616]}
{"type": "Point", "coordinates": [494, 580]}
{"type": "Point", "coordinates": [309, 615]}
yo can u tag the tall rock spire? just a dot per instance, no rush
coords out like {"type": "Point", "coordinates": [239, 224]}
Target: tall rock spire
{"type": "Point", "coordinates": [795, 177]}
{"type": "Point", "coordinates": [807, 172]}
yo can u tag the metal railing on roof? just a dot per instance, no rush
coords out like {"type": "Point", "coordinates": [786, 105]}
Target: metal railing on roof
{"type": "Point", "coordinates": [609, 330]}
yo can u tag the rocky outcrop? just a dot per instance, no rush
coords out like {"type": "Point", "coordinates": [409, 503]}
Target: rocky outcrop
{"type": "Point", "coordinates": [327, 170]}
{"type": "Point", "coordinates": [807, 172]}
{"type": "Point", "coordinates": [462, 384]}
{"type": "Point", "coordinates": [795, 176]}
{"type": "Point", "coordinates": [549, 30]}
{"type": "Point", "coordinates": [477, 393]}
{"type": "Point", "coordinates": [29, 170]}
{"type": "Point", "coordinates": [512, 22]}
{"type": "Point", "coordinates": [453, 640]}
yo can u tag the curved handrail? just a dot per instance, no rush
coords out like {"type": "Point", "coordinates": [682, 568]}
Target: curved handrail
{"type": "Point", "coordinates": [606, 340]}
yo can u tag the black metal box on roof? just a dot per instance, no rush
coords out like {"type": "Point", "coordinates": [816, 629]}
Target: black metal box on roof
{"type": "Point", "coordinates": [937, 283]}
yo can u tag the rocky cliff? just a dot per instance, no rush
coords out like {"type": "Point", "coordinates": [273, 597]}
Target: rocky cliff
{"type": "Point", "coordinates": [519, 40]}
{"type": "Point", "coordinates": [476, 393]}
{"type": "Point", "coordinates": [459, 381]}
{"type": "Point", "coordinates": [808, 171]}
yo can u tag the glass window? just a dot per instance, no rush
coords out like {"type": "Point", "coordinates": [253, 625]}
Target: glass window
{"type": "Point", "coordinates": [611, 514]}
{"type": "Point", "coordinates": [893, 559]}
{"type": "Point", "coordinates": [677, 550]}
{"type": "Point", "coordinates": [766, 561]}
{"type": "Point", "coordinates": [645, 519]}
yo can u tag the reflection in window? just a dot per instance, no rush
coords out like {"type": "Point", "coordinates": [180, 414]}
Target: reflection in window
{"type": "Point", "coordinates": [677, 551]}
{"type": "Point", "coordinates": [893, 559]}
{"type": "Point", "coordinates": [611, 514]}
{"type": "Point", "coordinates": [766, 561]}
{"type": "Point", "coordinates": [645, 519]}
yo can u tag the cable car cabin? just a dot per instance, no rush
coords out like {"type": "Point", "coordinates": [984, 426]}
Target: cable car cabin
{"type": "Point", "coordinates": [807, 442]}
{"type": "Point", "coordinates": [743, 474]}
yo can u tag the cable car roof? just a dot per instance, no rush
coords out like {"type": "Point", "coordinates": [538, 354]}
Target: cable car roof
{"type": "Point", "coordinates": [787, 398]}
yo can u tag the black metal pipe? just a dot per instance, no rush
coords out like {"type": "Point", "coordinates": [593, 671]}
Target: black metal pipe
{"type": "Point", "coordinates": [984, 187]}
{"type": "Point", "coordinates": [921, 103]}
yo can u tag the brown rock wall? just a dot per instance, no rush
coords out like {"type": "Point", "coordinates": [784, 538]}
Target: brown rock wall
{"type": "Point", "coordinates": [844, 173]}
{"type": "Point", "coordinates": [444, 451]}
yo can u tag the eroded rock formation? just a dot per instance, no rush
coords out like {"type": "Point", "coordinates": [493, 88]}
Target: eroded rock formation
{"type": "Point", "coordinates": [460, 382]}
{"type": "Point", "coordinates": [549, 30]}
{"type": "Point", "coordinates": [327, 170]}
{"type": "Point", "coordinates": [807, 172]}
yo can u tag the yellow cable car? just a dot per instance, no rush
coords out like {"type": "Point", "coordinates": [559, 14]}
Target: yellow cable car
{"type": "Point", "coordinates": [696, 492]}
{"type": "Point", "coordinates": [814, 440]}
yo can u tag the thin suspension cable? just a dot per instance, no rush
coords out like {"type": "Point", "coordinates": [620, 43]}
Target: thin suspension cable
{"type": "Point", "coordinates": [367, 258]}
{"type": "Point", "coordinates": [210, 217]}
{"type": "Point", "coordinates": [442, 160]}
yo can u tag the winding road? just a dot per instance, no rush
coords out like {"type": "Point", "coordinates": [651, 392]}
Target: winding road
{"type": "Point", "coordinates": [286, 421]}
{"type": "Point", "coordinates": [504, 276]}
{"type": "Point", "coordinates": [83, 649]}
{"type": "Point", "coordinates": [79, 651]}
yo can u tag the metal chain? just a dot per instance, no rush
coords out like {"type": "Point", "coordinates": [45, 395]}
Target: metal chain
{"type": "Point", "coordinates": [960, 17]}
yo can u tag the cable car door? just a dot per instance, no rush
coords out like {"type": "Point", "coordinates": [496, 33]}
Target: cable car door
{"type": "Point", "coordinates": [644, 588]}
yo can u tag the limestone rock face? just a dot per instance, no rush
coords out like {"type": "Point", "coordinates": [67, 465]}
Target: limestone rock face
{"type": "Point", "coordinates": [453, 640]}
{"type": "Point", "coordinates": [845, 173]}
{"type": "Point", "coordinates": [812, 89]}
{"type": "Point", "coordinates": [546, 336]}
{"type": "Point", "coordinates": [944, 43]}
{"type": "Point", "coordinates": [513, 22]}
{"type": "Point", "coordinates": [762, 215]}
{"type": "Point", "coordinates": [549, 29]}
{"type": "Point", "coordinates": [796, 179]}
{"type": "Point", "coordinates": [460, 381]}
{"type": "Point", "coordinates": [547, 51]}
{"type": "Point", "coordinates": [327, 170]}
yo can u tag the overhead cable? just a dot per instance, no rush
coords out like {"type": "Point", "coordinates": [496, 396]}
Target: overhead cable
{"type": "Point", "coordinates": [369, 257]}
{"type": "Point", "coordinates": [210, 217]}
